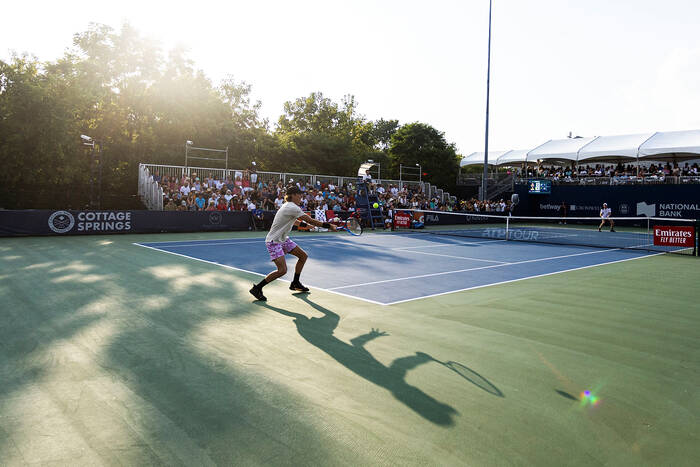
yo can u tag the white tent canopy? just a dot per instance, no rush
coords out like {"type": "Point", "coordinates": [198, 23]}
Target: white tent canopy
{"type": "Point", "coordinates": [671, 146]}
{"type": "Point", "coordinates": [659, 146]}
{"type": "Point", "coordinates": [613, 148]}
{"type": "Point", "coordinates": [514, 157]}
{"type": "Point", "coordinates": [477, 158]}
{"type": "Point", "coordinates": [559, 149]}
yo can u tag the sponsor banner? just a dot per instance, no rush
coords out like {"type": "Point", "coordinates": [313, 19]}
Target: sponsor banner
{"type": "Point", "coordinates": [672, 201]}
{"type": "Point", "coordinates": [43, 222]}
{"type": "Point", "coordinates": [448, 218]}
{"type": "Point", "coordinates": [402, 219]}
{"type": "Point", "coordinates": [674, 236]}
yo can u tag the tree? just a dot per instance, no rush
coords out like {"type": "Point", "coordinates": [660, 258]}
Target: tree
{"type": "Point", "coordinates": [318, 135]}
{"type": "Point", "coordinates": [382, 131]}
{"type": "Point", "coordinates": [419, 143]}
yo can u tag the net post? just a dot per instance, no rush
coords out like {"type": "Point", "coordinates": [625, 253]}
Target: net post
{"type": "Point", "coordinates": [650, 235]}
{"type": "Point", "coordinates": [507, 228]}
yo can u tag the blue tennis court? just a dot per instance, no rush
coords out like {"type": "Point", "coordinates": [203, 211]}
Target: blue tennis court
{"type": "Point", "coordinates": [394, 268]}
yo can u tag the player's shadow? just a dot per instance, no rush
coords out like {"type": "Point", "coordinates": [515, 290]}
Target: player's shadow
{"type": "Point", "coordinates": [354, 356]}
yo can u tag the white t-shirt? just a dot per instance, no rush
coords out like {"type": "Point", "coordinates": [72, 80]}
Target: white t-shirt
{"type": "Point", "coordinates": [605, 213]}
{"type": "Point", "coordinates": [283, 222]}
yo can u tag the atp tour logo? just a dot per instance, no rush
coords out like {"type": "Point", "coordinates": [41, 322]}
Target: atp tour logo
{"type": "Point", "coordinates": [644, 209]}
{"type": "Point", "coordinates": [215, 218]}
{"type": "Point", "coordinates": [61, 221]}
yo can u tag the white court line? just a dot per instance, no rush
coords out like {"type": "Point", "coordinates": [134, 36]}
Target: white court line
{"type": "Point", "coordinates": [474, 269]}
{"type": "Point", "coordinates": [520, 279]}
{"type": "Point", "coordinates": [442, 245]}
{"type": "Point", "coordinates": [255, 273]}
{"type": "Point", "coordinates": [262, 240]}
{"type": "Point", "coordinates": [233, 241]}
{"type": "Point", "coordinates": [452, 256]}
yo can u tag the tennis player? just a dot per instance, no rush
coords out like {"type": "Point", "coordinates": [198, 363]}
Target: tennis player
{"type": "Point", "coordinates": [279, 244]}
{"type": "Point", "coordinates": [605, 216]}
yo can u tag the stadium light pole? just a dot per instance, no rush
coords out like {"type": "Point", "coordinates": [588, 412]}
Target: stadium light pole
{"type": "Point", "coordinates": [484, 176]}
{"type": "Point", "coordinates": [187, 148]}
{"type": "Point", "coordinates": [92, 142]}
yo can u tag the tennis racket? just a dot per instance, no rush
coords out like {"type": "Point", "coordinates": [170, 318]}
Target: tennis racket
{"type": "Point", "coordinates": [351, 226]}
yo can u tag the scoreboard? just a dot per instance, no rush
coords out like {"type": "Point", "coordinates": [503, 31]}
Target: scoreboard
{"type": "Point", "coordinates": [539, 187]}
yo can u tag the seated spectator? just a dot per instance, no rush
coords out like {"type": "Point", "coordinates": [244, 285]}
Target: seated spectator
{"type": "Point", "coordinates": [170, 206]}
{"type": "Point", "coordinates": [200, 202]}
{"type": "Point", "coordinates": [221, 204]}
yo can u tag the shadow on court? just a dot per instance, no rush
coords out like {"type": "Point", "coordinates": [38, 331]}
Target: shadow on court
{"type": "Point", "coordinates": [354, 356]}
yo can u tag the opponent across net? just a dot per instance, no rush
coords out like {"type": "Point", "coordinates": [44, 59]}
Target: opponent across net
{"type": "Point", "coordinates": [641, 233]}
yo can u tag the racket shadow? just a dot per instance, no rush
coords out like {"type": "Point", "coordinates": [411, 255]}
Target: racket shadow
{"type": "Point", "coordinates": [472, 376]}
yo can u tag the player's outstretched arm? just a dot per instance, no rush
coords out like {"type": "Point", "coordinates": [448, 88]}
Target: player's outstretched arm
{"type": "Point", "coordinates": [310, 220]}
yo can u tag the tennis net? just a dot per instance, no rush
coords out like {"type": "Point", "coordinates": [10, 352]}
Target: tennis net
{"type": "Point", "coordinates": [658, 234]}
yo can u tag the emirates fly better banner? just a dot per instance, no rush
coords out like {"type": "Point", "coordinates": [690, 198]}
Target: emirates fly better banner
{"type": "Point", "coordinates": [674, 236]}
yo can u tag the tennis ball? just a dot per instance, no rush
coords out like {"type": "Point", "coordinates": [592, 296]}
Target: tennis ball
{"type": "Point", "coordinates": [375, 205]}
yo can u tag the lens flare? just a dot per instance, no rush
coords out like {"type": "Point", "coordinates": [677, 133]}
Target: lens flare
{"type": "Point", "coordinates": [588, 398]}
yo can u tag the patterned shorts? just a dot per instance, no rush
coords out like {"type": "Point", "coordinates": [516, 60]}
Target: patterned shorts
{"type": "Point", "coordinates": [278, 250]}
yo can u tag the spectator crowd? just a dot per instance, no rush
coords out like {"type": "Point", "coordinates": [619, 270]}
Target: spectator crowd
{"type": "Point", "coordinates": [247, 192]}
{"type": "Point", "coordinates": [620, 172]}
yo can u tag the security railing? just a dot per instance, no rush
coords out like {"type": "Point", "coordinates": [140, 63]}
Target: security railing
{"type": "Point", "coordinates": [615, 180]}
{"type": "Point", "coordinates": [149, 172]}
{"type": "Point", "coordinates": [150, 191]}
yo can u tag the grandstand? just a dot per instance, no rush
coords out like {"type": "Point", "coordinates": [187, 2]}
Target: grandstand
{"type": "Point", "coordinates": [648, 158]}
{"type": "Point", "coordinates": [153, 194]}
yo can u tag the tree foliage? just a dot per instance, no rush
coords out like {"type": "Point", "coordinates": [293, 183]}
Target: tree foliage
{"type": "Point", "coordinates": [419, 143]}
{"type": "Point", "coordinates": [143, 104]}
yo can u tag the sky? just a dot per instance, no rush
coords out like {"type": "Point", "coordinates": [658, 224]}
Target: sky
{"type": "Point", "coordinates": [590, 67]}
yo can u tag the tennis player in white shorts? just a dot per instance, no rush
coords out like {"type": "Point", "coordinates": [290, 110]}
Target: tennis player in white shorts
{"type": "Point", "coordinates": [279, 244]}
{"type": "Point", "coordinates": [605, 216]}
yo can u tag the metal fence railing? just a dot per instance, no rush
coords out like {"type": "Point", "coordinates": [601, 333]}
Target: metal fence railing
{"type": "Point", "coordinates": [616, 180]}
{"type": "Point", "coordinates": [152, 195]}
{"type": "Point", "coordinates": [150, 191]}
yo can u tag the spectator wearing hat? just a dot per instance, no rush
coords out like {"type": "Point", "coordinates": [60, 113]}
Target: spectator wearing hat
{"type": "Point", "coordinates": [170, 206]}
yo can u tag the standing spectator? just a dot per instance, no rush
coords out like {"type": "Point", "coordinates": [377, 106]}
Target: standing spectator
{"type": "Point", "coordinates": [563, 209]}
